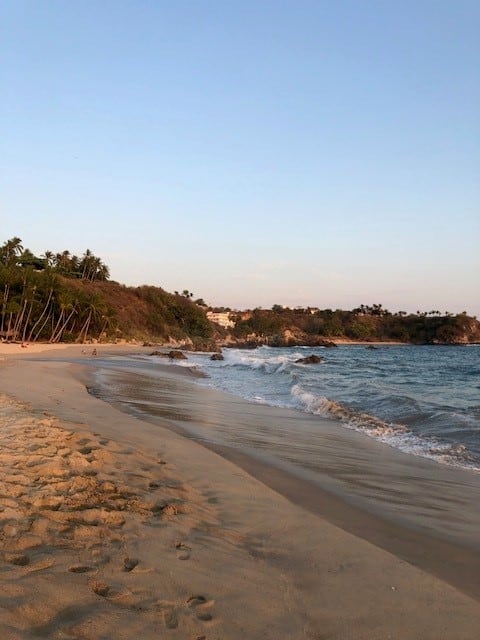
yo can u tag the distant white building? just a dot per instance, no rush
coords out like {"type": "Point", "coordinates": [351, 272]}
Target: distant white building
{"type": "Point", "coordinates": [222, 318]}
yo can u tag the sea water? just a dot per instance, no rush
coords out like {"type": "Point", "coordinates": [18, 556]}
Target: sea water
{"type": "Point", "coordinates": [423, 400]}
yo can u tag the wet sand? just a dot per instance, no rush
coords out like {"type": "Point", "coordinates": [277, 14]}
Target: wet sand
{"type": "Point", "coordinates": [420, 510]}
{"type": "Point", "coordinates": [112, 526]}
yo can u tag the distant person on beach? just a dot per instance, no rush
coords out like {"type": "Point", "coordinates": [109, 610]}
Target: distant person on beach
{"type": "Point", "coordinates": [94, 352]}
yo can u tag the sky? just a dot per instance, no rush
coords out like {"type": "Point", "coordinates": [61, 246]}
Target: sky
{"type": "Point", "coordinates": [293, 152]}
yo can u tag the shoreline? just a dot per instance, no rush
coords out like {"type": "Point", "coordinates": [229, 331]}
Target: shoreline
{"type": "Point", "coordinates": [420, 538]}
{"type": "Point", "coordinates": [250, 549]}
{"type": "Point", "coordinates": [18, 348]}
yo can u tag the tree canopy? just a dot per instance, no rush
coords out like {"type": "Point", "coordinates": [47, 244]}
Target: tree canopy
{"type": "Point", "coordinates": [61, 297]}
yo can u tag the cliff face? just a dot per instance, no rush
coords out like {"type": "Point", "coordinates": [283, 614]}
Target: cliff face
{"type": "Point", "coordinates": [470, 332]}
{"type": "Point", "coordinates": [292, 337]}
{"type": "Point", "coordinates": [465, 330]}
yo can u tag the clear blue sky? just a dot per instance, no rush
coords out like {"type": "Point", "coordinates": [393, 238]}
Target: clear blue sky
{"type": "Point", "coordinates": [298, 152]}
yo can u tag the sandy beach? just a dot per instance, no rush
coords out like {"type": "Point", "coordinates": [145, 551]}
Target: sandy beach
{"type": "Point", "coordinates": [112, 527]}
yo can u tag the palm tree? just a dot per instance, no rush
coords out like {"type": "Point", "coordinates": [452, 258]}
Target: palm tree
{"type": "Point", "coordinates": [85, 263]}
{"type": "Point", "coordinates": [95, 308]}
{"type": "Point", "coordinates": [62, 261]}
{"type": "Point", "coordinates": [42, 317]}
{"type": "Point", "coordinates": [67, 307]}
{"type": "Point", "coordinates": [96, 265]}
{"type": "Point", "coordinates": [28, 259]}
{"type": "Point", "coordinates": [30, 299]}
{"type": "Point", "coordinates": [13, 309]}
{"type": "Point", "coordinates": [74, 266]}
{"type": "Point", "coordinates": [10, 250]}
{"type": "Point", "coordinates": [48, 258]}
{"type": "Point", "coordinates": [103, 272]}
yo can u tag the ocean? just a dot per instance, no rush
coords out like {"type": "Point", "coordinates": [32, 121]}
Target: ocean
{"type": "Point", "coordinates": [423, 400]}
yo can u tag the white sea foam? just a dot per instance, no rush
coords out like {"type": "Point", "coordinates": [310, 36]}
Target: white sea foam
{"type": "Point", "coordinates": [265, 362]}
{"type": "Point", "coordinates": [311, 403]}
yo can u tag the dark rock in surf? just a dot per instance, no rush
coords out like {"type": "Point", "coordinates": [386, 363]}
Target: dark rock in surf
{"type": "Point", "coordinates": [173, 355]}
{"type": "Point", "coordinates": [217, 356]}
{"type": "Point", "coordinates": [176, 355]}
{"type": "Point", "coordinates": [313, 359]}
{"type": "Point", "coordinates": [326, 343]}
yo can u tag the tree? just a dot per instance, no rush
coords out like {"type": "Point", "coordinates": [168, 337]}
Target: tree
{"type": "Point", "coordinates": [28, 259]}
{"type": "Point", "coordinates": [95, 309]}
{"type": "Point", "coordinates": [48, 259]}
{"type": "Point", "coordinates": [62, 261]}
{"type": "Point", "coordinates": [10, 250]}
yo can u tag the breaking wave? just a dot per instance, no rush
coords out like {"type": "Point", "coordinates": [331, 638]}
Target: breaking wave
{"type": "Point", "coordinates": [421, 400]}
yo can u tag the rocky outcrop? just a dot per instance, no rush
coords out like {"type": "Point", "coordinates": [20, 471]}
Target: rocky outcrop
{"type": "Point", "coordinates": [326, 343]}
{"type": "Point", "coordinates": [173, 355]}
{"type": "Point", "coordinates": [285, 339]}
{"type": "Point", "coordinates": [217, 356]}
{"type": "Point", "coordinates": [176, 355]}
{"type": "Point", "coordinates": [313, 359]}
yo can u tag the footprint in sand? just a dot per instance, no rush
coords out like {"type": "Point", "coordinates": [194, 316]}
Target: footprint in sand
{"type": "Point", "coordinates": [80, 568]}
{"type": "Point", "coordinates": [18, 559]}
{"type": "Point", "coordinates": [129, 564]}
{"type": "Point", "coordinates": [100, 588]}
{"type": "Point", "coordinates": [200, 605]}
{"type": "Point", "coordinates": [170, 618]}
{"type": "Point", "coordinates": [84, 500]}
{"type": "Point", "coordinates": [168, 613]}
{"type": "Point", "coordinates": [85, 450]}
{"type": "Point", "coordinates": [183, 551]}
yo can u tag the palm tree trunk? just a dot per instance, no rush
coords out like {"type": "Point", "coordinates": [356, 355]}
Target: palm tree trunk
{"type": "Point", "coordinates": [27, 320]}
{"type": "Point", "coordinates": [41, 315]}
{"type": "Point", "coordinates": [6, 291]}
{"type": "Point", "coordinates": [9, 323]}
{"type": "Point", "coordinates": [103, 329]}
{"type": "Point", "coordinates": [62, 328]}
{"type": "Point", "coordinates": [19, 320]}
{"type": "Point", "coordinates": [41, 329]}
{"type": "Point", "coordinates": [84, 329]}
{"type": "Point", "coordinates": [60, 318]}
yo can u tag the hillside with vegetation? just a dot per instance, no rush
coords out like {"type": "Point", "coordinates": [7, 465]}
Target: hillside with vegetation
{"type": "Point", "coordinates": [292, 327]}
{"type": "Point", "coordinates": [61, 297]}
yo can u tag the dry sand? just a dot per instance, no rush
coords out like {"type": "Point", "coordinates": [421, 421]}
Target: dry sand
{"type": "Point", "coordinates": [114, 528]}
